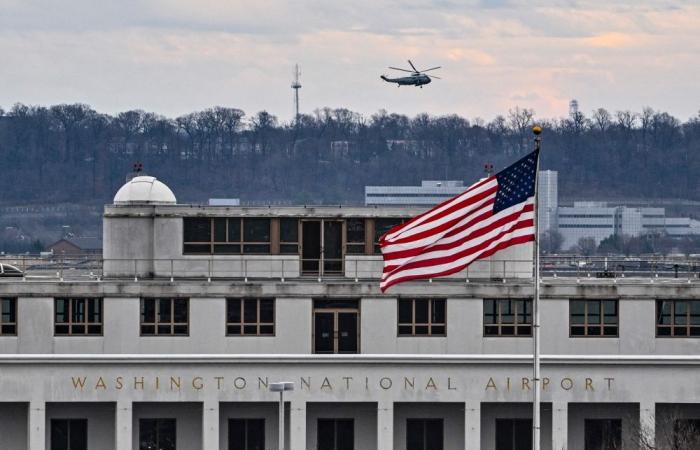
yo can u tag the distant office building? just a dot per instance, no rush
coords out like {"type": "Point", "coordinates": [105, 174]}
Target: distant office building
{"type": "Point", "coordinates": [548, 200]}
{"type": "Point", "coordinates": [224, 202]}
{"type": "Point", "coordinates": [429, 193]}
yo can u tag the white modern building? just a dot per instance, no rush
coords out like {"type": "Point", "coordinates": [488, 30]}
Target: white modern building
{"type": "Point", "coordinates": [429, 193]}
{"type": "Point", "coordinates": [547, 200]}
{"type": "Point", "coordinates": [197, 310]}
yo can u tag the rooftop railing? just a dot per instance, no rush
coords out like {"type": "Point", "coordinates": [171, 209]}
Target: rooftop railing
{"type": "Point", "coordinates": [352, 267]}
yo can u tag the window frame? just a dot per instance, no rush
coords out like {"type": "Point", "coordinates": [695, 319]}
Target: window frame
{"type": "Point", "coordinates": [601, 325]}
{"type": "Point", "coordinates": [158, 323]}
{"type": "Point", "coordinates": [499, 322]}
{"type": "Point", "coordinates": [258, 323]}
{"type": "Point", "coordinates": [13, 312]}
{"type": "Point", "coordinates": [69, 315]}
{"type": "Point", "coordinates": [413, 324]}
{"type": "Point", "coordinates": [688, 326]}
{"type": "Point", "coordinates": [229, 240]}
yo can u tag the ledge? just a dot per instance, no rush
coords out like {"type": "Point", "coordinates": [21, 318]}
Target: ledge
{"type": "Point", "coordinates": [375, 359]}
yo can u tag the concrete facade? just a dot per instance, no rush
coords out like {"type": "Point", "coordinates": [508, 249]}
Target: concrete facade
{"type": "Point", "coordinates": [465, 378]}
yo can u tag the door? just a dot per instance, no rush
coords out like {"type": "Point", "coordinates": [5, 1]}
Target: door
{"type": "Point", "coordinates": [335, 434]}
{"type": "Point", "coordinates": [322, 247]}
{"type": "Point", "coordinates": [336, 326]}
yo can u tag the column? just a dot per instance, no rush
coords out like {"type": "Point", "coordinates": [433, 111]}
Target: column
{"type": "Point", "coordinates": [36, 434]}
{"type": "Point", "coordinates": [472, 425]}
{"type": "Point", "coordinates": [123, 425]}
{"type": "Point", "coordinates": [385, 425]}
{"type": "Point", "coordinates": [560, 422]}
{"type": "Point", "coordinates": [297, 425]}
{"type": "Point", "coordinates": [647, 425]}
{"type": "Point", "coordinates": [210, 425]}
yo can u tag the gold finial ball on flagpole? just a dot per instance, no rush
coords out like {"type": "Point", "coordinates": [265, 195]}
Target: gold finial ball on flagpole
{"type": "Point", "coordinates": [537, 130]}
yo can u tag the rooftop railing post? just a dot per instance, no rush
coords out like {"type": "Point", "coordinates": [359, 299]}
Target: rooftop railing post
{"type": "Point", "coordinates": [245, 270]}
{"type": "Point", "coordinates": [211, 263]}
{"type": "Point", "coordinates": [356, 262]}
{"type": "Point", "coordinates": [282, 277]}
{"type": "Point", "coordinates": [136, 270]}
{"type": "Point", "coordinates": [172, 270]}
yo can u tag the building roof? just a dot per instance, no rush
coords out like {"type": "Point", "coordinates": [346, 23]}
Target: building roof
{"type": "Point", "coordinates": [82, 242]}
{"type": "Point", "coordinates": [144, 190]}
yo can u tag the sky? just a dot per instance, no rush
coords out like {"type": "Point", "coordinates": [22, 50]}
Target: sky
{"type": "Point", "coordinates": [177, 56]}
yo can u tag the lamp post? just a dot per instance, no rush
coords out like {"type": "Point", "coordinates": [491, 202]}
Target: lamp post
{"type": "Point", "coordinates": [281, 387]}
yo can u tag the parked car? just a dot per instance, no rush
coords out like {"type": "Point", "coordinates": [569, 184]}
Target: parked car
{"type": "Point", "coordinates": [8, 270]}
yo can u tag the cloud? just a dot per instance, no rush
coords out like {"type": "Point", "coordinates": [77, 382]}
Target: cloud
{"type": "Point", "coordinates": [174, 56]}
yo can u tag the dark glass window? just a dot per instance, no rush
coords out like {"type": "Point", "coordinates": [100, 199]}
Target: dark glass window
{"type": "Point", "coordinates": [381, 226]}
{"type": "Point", "coordinates": [424, 434]}
{"type": "Point", "coordinates": [8, 316]}
{"type": "Point", "coordinates": [686, 434]}
{"type": "Point", "coordinates": [355, 236]}
{"type": "Point", "coordinates": [593, 318]}
{"type": "Point", "coordinates": [164, 316]}
{"type": "Point", "coordinates": [77, 316]}
{"type": "Point", "coordinates": [602, 434]}
{"type": "Point", "coordinates": [222, 235]}
{"type": "Point", "coordinates": [422, 317]}
{"type": "Point", "coordinates": [69, 434]}
{"type": "Point", "coordinates": [678, 318]}
{"type": "Point", "coordinates": [246, 434]}
{"type": "Point", "coordinates": [507, 317]}
{"type": "Point", "coordinates": [289, 236]}
{"type": "Point", "coordinates": [513, 434]}
{"type": "Point", "coordinates": [335, 434]}
{"type": "Point", "coordinates": [157, 434]}
{"type": "Point", "coordinates": [250, 316]}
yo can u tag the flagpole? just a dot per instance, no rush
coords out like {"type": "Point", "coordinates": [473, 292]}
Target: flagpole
{"type": "Point", "coordinates": [536, 130]}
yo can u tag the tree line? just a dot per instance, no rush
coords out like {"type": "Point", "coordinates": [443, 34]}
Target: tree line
{"type": "Point", "coordinates": [70, 152]}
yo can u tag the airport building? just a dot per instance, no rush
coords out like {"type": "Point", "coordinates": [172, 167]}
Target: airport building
{"type": "Point", "coordinates": [174, 341]}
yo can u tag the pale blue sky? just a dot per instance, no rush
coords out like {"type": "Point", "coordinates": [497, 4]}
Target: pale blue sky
{"type": "Point", "coordinates": [176, 56]}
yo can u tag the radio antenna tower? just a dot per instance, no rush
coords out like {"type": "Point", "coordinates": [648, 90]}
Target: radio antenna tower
{"type": "Point", "coordinates": [296, 85]}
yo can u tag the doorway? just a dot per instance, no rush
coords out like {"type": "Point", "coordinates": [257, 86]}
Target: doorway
{"type": "Point", "coordinates": [335, 434]}
{"type": "Point", "coordinates": [336, 326]}
{"type": "Point", "coordinates": [322, 247]}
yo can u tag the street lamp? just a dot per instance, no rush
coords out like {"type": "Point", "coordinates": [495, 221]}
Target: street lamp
{"type": "Point", "coordinates": [281, 387]}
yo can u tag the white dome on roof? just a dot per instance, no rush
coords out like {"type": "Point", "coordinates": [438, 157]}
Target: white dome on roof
{"type": "Point", "coordinates": [144, 190]}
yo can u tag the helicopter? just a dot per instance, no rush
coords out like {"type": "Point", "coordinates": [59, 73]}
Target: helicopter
{"type": "Point", "coordinates": [417, 78]}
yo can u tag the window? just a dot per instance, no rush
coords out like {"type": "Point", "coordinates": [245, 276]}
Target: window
{"type": "Point", "coordinates": [422, 317]}
{"type": "Point", "coordinates": [593, 318]}
{"type": "Point", "coordinates": [222, 235]}
{"type": "Point", "coordinates": [335, 434]}
{"type": "Point", "coordinates": [507, 317]}
{"type": "Point", "coordinates": [513, 434]}
{"type": "Point", "coordinates": [686, 434]}
{"type": "Point", "coordinates": [78, 316]}
{"type": "Point", "coordinates": [250, 316]}
{"type": "Point", "coordinates": [246, 434]}
{"type": "Point", "coordinates": [602, 434]}
{"type": "Point", "coordinates": [69, 434]}
{"type": "Point", "coordinates": [424, 434]}
{"type": "Point", "coordinates": [164, 316]}
{"type": "Point", "coordinates": [677, 318]}
{"type": "Point", "coordinates": [381, 226]}
{"type": "Point", "coordinates": [157, 434]}
{"type": "Point", "coordinates": [355, 236]}
{"type": "Point", "coordinates": [289, 236]}
{"type": "Point", "coordinates": [8, 316]}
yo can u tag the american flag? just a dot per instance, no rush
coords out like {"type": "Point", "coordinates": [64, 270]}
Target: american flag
{"type": "Point", "coordinates": [492, 214]}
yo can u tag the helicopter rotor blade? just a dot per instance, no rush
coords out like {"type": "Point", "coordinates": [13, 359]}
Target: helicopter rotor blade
{"type": "Point", "coordinates": [432, 68]}
{"type": "Point", "coordinates": [414, 67]}
{"type": "Point", "coordinates": [433, 76]}
{"type": "Point", "coordinates": [402, 70]}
